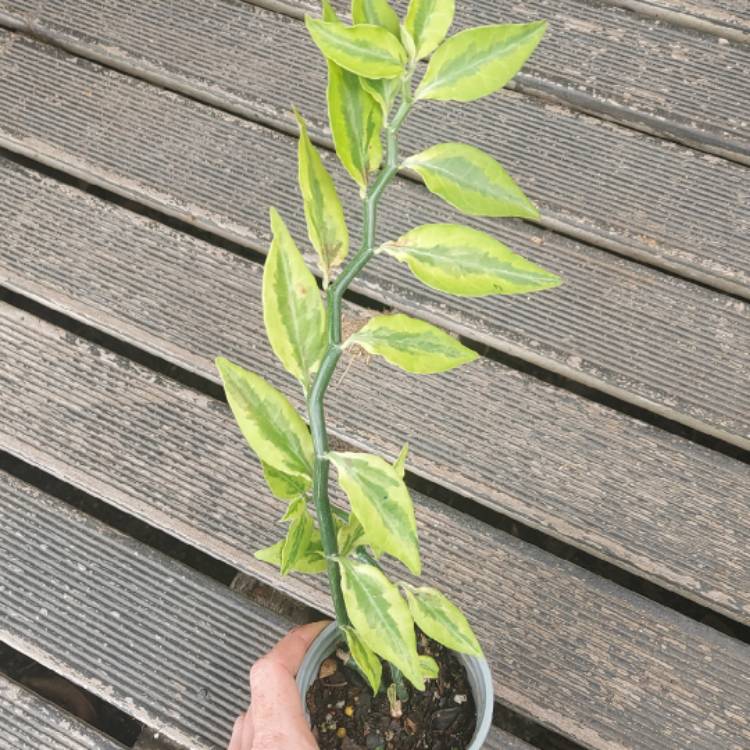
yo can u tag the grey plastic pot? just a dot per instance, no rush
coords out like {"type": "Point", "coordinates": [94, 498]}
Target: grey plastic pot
{"type": "Point", "coordinates": [477, 670]}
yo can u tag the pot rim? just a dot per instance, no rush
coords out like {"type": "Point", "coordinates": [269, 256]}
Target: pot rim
{"type": "Point", "coordinates": [477, 671]}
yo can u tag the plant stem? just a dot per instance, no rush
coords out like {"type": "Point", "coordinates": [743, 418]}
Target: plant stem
{"type": "Point", "coordinates": [316, 398]}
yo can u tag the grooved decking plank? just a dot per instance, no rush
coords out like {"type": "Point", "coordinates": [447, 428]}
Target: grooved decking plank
{"type": "Point", "coordinates": [199, 635]}
{"type": "Point", "coordinates": [672, 511]}
{"type": "Point", "coordinates": [631, 331]}
{"type": "Point", "coordinates": [159, 641]}
{"type": "Point", "coordinates": [604, 184]}
{"type": "Point", "coordinates": [664, 78]}
{"type": "Point", "coordinates": [28, 722]}
{"type": "Point", "coordinates": [725, 14]}
{"type": "Point", "coordinates": [597, 663]}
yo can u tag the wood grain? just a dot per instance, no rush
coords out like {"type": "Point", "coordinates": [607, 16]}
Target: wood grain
{"type": "Point", "coordinates": [603, 184]}
{"type": "Point", "coordinates": [631, 331]}
{"type": "Point", "coordinates": [670, 510]}
{"type": "Point", "coordinates": [597, 663]}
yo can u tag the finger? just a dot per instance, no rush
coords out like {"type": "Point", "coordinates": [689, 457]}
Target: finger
{"type": "Point", "coordinates": [235, 743]}
{"type": "Point", "coordinates": [291, 649]}
{"type": "Point", "coordinates": [248, 730]}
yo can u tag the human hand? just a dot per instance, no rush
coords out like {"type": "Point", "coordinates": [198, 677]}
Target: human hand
{"type": "Point", "coordinates": [276, 719]}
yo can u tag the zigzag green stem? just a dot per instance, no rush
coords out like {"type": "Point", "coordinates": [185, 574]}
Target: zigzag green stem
{"type": "Point", "coordinates": [315, 401]}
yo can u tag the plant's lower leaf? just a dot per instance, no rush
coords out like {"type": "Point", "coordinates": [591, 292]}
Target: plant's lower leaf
{"type": "Point", "coordinates": [365, 658]}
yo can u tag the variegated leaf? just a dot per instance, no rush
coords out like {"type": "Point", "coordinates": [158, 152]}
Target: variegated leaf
{"type": "Point", "coordinates": [412, 344]}
{"type": "Point", "coordinates": [430, 668]}
{"type": "Point", "coordinates": [471, 180]}
{"type": "Point", "coordinates": [381, 617]}
{"type": "Point", "coordinates": [298, 537]}
{"type": "Point", "coordinates": [269, 423]}
{"type": "Point", "coordinates": [365, 658]}
{"type": "Point", "coordinates": [441, 620]}
{"type": "Point", "coordinates": [326, 225]}
{"type": "Point", "coordinates": [292, 307]}
{"type": "Point", "coordinates": [366, 50]}
{"type": "Point", "coordinates": [285, 486]}
{"type": "Point", "coordinates": [381, 502]}
{"type": "Point", "coordinates": [478, 61]}
{"type": "Point", "coordinates": [377, 13]}
{"type": "Point", "coordinates": [428, 22]}
{"type": "Point", "coordinates": [400, 464]}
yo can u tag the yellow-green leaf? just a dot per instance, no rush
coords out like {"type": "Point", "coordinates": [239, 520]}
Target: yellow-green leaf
{"type": "Point", "coordinates": [412, 344]}
{"type": "Point", "coordinates": [298, 537]}
{"type": "Point", "coordinates": [292, 308]}
{"type": "Point", "coordinates": [471, 180]}
{"type": "Point", "coordinates": [466, 262]}
{"type": "Point", "coordinates": [326, 225]}
{"type": "Point", "coordinates": [478, 61]}
{"type": "Point", "coordinates": [383, 91]}
{"type": "Point", "coordinates": [428, 22]}
{"type": "Point", "coordinates": [381, 502]}
{"type": "Point", "coordinates": [381, 617]}
{"type": "Point", "coordinates": [365, 658]}
{"type": "Point", "coordinates": [271, 554]}
{"type": "Point", "coordinates": [267, 420]}
{"type": "Point", "coordinates": [285, 486]}
{"type": "Point", "coordinates": [356, 120]}
{"type": "Point", "coordinates": [430, 668]}
{"type": "Point", "coordinates": [367, 50]}
{"type": "Point", "coordinates": [377, 13]}
{"type": "Point", "coordinates": [399, 465]}
{"type": "Point", "coordinates": [350, 535]}
{"type": "Point", "coordinates": [329, 14]}
{"type": "Point", "coordinates": [441, 620]}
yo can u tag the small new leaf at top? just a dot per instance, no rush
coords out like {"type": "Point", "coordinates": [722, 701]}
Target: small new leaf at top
{"type": "Point", "coordinates": [364, 49]}
{"type": "Point", "coordinates": [376, 13]}
{"type": "Point", "coordinates": [428, 21]}
{"type": "Point", "coordinates": [476, 62]}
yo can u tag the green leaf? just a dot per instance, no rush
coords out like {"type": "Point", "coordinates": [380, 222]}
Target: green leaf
{"type": "Point", "coordinates": [412, 344]}
{"type": "Point", "coordinates": [471, 180]}
{"type": "Point", "coordinates": [267, 420]}
{"type": "Point", "coordinates": [428, 22]}
{"type": "Point", "coordinates": [326, 225]}
{"type": "Point", "coordinates": [479, 61]}
{"type": "Point", "coordinates": [430, 668]}
{"type": "Point", "coordinates": [400, 464]}
{"type": "Point", "coordinates": [367, 50]}
{"type": "Point", "coordinates": [381, 617]}
{"type": "Point", "coordinates": [285, 486]}
{"type": "Point", "coordinates": [383, 91]}
{"type": "Point", "coordinates": [466, 262]}
{"type": "Point", "coordinates": [350, 535]}
{"type": "Point", "coordinates": [271, 554]}
{"type": "Point", "coordinates": [441, 620]}
{"type": "Point", "coordinates": [292, 308]}
{"type": "Point", "coordinates": [356, 121]}
{"type": "Point", "coordinates": [381, 502]}
{"type": "Point", "coordinates": [365, 658]}
{"type": "Point", "coordinates": [377, 13]}
{"type": "Point", "coordinates": [298, 537]}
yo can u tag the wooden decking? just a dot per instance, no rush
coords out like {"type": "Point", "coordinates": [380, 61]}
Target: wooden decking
{"type": "Point", "coordinates": [583, 489]}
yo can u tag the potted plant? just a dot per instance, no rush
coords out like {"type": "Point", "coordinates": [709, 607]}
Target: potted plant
{"type": "Point", "coordinates": [406, 667]}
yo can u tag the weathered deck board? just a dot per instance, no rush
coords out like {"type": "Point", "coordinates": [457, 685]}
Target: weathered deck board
{"type": "Point", "coordinates": [631, 331]}
{"type": "Point", "coordinates": [159, 641]}
{"type": "Point", "coordinates": [216, 633]}
{"type": "Point", "coordinates": [631, 493]}
{"type": "Point", "coordinates": [28, 722]}
{"type": "Point", "coordinates": [601, 183]}
{"type": "Point", "coordinates": [606, 60]}
{"type": "Point", "coordinates": [726, 15]}
{"type": "Point", "coordinates": [597, 663]}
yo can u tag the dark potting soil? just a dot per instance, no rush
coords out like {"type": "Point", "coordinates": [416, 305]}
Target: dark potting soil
{"type": "Point", "coordinates": [346, 716]}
